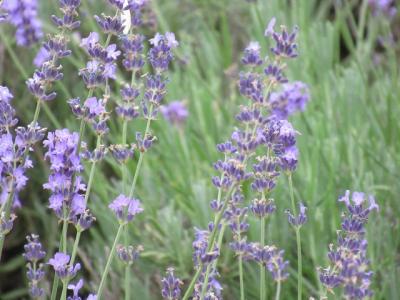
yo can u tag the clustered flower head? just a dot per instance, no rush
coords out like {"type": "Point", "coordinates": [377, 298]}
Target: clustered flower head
{"type": "Point", "coordinates": [66, 186]}
{"type": "Point", "coordinates": [102, 64]}
{"type": "Point", "coordinates": [54, 48]}
{"type": "Point", "coordinates": [300, 219]}
{"type": "Point", "coordinates": [175, 112]}
{"type": "Point", "coordinates": [171, 286]}
{"type": "Point", "coordinates": [129, 254]}
{"type": "Point", "coordinates": [349, 262]}
{"type": "Point", "coordinates": [262, 128]}
{"type": "Point", "coordinates": [60, 264]}
{"type": "Point", "coordinates": [33, 254]}
{"type": "Point", "coordinates": [15, 145]}
{"type": "Point", "coordinates": [385, 7]}
{"type": "Point", "coordinates": [125, 208]}
{"type": "Point", "coordinates": [23, 14]}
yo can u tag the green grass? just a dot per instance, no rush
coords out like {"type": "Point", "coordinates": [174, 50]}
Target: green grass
{"type": "Point", "coordinates": [349, 140]}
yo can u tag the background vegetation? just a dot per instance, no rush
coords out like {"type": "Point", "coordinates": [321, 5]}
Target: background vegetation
{"type": "Point", "coordinates": [350, 140]}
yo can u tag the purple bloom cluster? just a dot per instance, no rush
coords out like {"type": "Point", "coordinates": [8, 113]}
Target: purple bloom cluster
{"type": "Point", "coordinates": [160, 54]}
{"type": "Point", "coordinates": [102, 64]}
{"type": "Point", "coordinates": [14, 149]}
{"type": "Point", "coordinates": [270, 257]}
{"type": "Point", "coordinates": [257, 132]}
{"type": "Point", "coordinates": [125, 208]}
{"type": "Point", "coordinates": [129, 254]}
{"type": "Point", "coordinates": [93, 111]}
{"type": "Point", "coordinates": [171, 286]}
{"type": "Point", "coordinates": [175, 112]}
{"type": "Point", "coordinates": [385, 7]}
{"type": "Point", "coordinates": [66, 186]}
{"type": "Point", "coordinates": [292, 98]}
{"type": "Point", "coordinates": [33, 254]}
{"type": "Point", "coordinates": [23, 14]}
{"type": "Point", "coordinates": [349, 263]}
{"type": "Point", "coordinates": [300, 219]}
{"type": "Point", "coordinates": [60, 264]}
{"type": "Point", "coordinates": [54, 48]}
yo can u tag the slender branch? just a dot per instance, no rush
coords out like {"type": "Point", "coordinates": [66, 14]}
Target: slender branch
{"type": "Point", "coordinates": [109, 260]}
{"type": "Point", "coordinates": [298, 242]}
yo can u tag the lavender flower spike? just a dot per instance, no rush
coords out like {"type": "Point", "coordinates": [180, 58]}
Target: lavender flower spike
{"type": "Point", "coordinates": [23, 14]}
{"type": "Point", "coordinates": [175, 112]}
{"type": "Point", "coordinates": [171, 286]}
{"type": "Point", "coordinates": [60, 264]}
{"type": "Point", "coordinates": [125, 208]}
{"type": "Point", "coordinates": [349, 263]}
{"type": "Point", "coordinates": [34, 253]}
{"type": "Point", "coordinates": [300, 219]}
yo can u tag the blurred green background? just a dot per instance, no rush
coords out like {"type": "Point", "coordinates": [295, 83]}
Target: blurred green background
{"type": "Point", "coordinates": [350, 139]}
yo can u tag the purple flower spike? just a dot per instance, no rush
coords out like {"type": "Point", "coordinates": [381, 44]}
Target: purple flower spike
{"type": "Point", "coordinates": [262, 208]}
{"type": "Point", "coordinates": [300, 219]}
{"type": "Point", "coordinates": [349, 263]}
{"type": "Point", "coordinates": [60, 265]}
{"type": "Point", "coordinates": [75, 289]}
{"type": "Point", "coordinates": [175, 112]}
{"type": "Point", "coordinates": [251, 56]}
{"type": "Point", "coordinates": [160, 54]}
{"type": "Point", "coordinates": [128, 255]}
{"type": "Point", "coordinates": [171, 286]}
{"type": "Point", "coordinates": [125, 208]}
{"type": "Point", "coordinates": [291, 99]}
{"type": "Point", "coordinates": [23, 14]}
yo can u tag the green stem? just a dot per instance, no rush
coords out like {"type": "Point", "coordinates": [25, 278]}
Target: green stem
{"type": "Point", "coordinates": [140, 161]}
{"type": "Point", "coordinates": [127, 282]}
{"type": "Point", "coordinates": [64, 291]}
{"type": "Point", "coordinates": [241, 277]}
{"type": "Point", "coordinates": [298, 242]}
{"type": "Point", "coordinates": [109, 260]}
{"type": "Point", "coordinates": [278, 290]}
{"type": "Point", "coordinates": [262, 268]}
{"type": "Point", "coordinates": [64, 235]}
{"type": "Point", "coordinates": [75, 248]}
{"type": "Point", "coordinates": [217, 221]}
{"type": "Point", "coordinates": [92, 171]}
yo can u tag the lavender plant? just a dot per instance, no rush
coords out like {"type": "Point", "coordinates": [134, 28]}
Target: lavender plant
{"type": "Point", "coordinates": [23, 15]}
{"type": "Point", "coordinates": [261, 148]}
{"type": "Point", "coordinates": [267, 140]}
{"type": "Point", "coordinates": [349, 268]}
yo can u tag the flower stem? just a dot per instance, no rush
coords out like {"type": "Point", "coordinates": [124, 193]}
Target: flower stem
{"type": "Point", "coordinates": [278, 290]}
{"type": "Point", "coordinates": [262, 268]}
{"type": "Point", "coordinates": [140, 161]}
{"type": "Point", "coordinates": [217, 221]}
{"type": "Point", "coordinates": [75, 248]}
{"type": "Point", "coordinates": [241, 277]}
{"type": "Point", "coordinates": [127, 282]}
{"type": "Point", "coordinates": [298, 242]}
{"type": "Point", "coordinates": [64, 291]}
{"type": "Point", "coordinates": [109, 260]}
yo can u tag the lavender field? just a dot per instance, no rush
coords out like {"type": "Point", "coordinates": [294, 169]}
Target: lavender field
{"type": "Point", "coordinates": [199, 149]}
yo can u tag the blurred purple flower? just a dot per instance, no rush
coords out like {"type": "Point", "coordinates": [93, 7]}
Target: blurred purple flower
{"type": "Point", "coordinates": [175, 112]}
{"type": "Point", "coordinates": [125, 208]}
{"type": "Point", "coordinates": [23, 14]}
{"type": "Point", "coordinates": [60, 264]}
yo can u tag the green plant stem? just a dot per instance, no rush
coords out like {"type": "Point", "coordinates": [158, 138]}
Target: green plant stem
{"type": "Point", "coordinates": [278, 290]}
{"type": "Point", "coordinates": [92, 172]}
{"type": "Point", "coordinates": [140, 161]}
{"type": "Point", "coordinates": [262, 268]}
{"type": "Point", "coordinates": [64, 291]}
{"type": "Point", "coordinates": [298, 242]}
{"type": "Point", "coordinates": [109, 260]}
{"type": "Point", "coordinates": [75, 248]}
{"type": "Point", "coordinates": [127, 282]}
{"type": "Point", "coordinates": [217, 221]}
{"type": "Point", "coordinates": [241, 277]}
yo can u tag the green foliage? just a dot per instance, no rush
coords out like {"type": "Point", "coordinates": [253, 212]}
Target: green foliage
{"type": "Point", "coordinates": [349, 140]}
